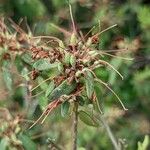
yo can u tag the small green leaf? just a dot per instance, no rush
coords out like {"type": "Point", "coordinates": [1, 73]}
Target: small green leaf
{"type": "Point", "coordinates": [27, 58]}
{"type": "Point", "coordinates": [98, 92]}
{"type": "Point", "coordinates": [50, 88]}
{"type": "Point", "coordinates": [7, 76]}
{"type": "Point", "coordinates": [146, 142]}
{"type": "Point", "coordinates": [80, 100]}
{"type": "Point", "coordinates": [18, 63]}
{"type": "Point", "coordinates": [25, 73]}
{"type": "Point", "coordinates": [67, 58]}
{"type": "Point", "coordinates": [61, 46]}
{"type": "Point", "coordinates": [73, 60]}
{"type": "Point", "coordinates": [4, 143]}
{"type": "Point", "coordinates": [89, 83]}
{"type": "Point", "coordinates": [87, 118]}
{"type": "Point", "coordinates": [60, 67]}
{"type": "Point", "coordinates": [144, 145]}
{"type": "Point", "coordinates": [44, 64]}
{"type": "Point", "coordinates": [43, 101]}
{"type": "Point", "coordinates": [65, 108]}
{"type": "Point", "coordinates": [73, 39]}
{"type": "Point", "coordinates": [53, 72]}
{"type": "Point", "coordinates": [27, 142]}
{"type": "Point", "coordinates": [43, 85]}
{"type": "Point", "coordinates": [63, 89]}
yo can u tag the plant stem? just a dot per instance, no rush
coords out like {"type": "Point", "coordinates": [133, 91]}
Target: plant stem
{"type": "Point", "coordinates": [75, 126]}
{"type": "Point", "coordinates": [110, 134]}
{"type": "Point", "coordinates": [53, 145]}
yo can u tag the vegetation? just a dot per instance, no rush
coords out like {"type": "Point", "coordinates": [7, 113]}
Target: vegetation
{"type": "Point", "coordinates": [62, 65]}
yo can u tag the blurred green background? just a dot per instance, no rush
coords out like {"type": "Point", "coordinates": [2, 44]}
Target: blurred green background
{"type": "Point", "coordinates": [132, 32]}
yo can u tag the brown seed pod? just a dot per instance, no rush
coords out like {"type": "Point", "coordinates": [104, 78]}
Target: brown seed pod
{"type": "Point", "coordinates": [34, 74]}
{"type": "Point", "coordinates": [95, 39]}
{"type": "Point", "coordinates": [6, 56]}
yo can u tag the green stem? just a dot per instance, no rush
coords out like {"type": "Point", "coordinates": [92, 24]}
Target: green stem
{"type": "Point", "coordinates": [109, 131]}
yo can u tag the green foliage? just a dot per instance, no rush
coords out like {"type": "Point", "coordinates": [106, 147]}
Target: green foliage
{"type": "Point", "coordinates": [42, 64]}
{"type": "Point", "coordinates": [4, 143]}
{"type": "Point", "coordinates": [89, 82]}
{"type": "Point", "coordinates": [143, 15]}
{"type": "Point", "coordinates": [65, 108]}
{"type": "Point", "coordinates": [27, 142]}
{"type": "Point", "coordinates": [28, 8]}
{"type": "Point", "coordinates": [63, 89]}
{"type": "Point", "coordinates": [7, 76]}
{"type": "Point", "coordinates": [87, 118]}
{"type": "Point", "coordinates": [50, 88]}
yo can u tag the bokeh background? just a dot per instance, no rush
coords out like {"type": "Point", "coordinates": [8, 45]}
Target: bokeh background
{"type": "Point", "coordinates": [132, 32]}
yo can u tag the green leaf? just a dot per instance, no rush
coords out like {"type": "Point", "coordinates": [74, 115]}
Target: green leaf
{"type": "Point", "coordinates": [67, 58]}
{"type": "Point", "coordinates": [144, 145]}
{"type": "Point", "coordinates": [143, 15]}
{"type": "Point", "coordinates": [43, 85]}
{"type": "Point", "coordinates": [27, 142]}
{"type": "Point", "coordinates": [73, 60]}
{"type": "Point", "coordinates": [31, 9]}
{"type": "Point", "coordinates": [18, 63]}
{"type": "Point", "coordinates": [80, 100]}
{"type": "Point", "coordinates": [43, 101]}
{"type": "Point", "coordinates": [4, 143]}
{"type": "Point", "coordinates": [50, 88]}
{"type": "Point", "coordinates": [146, 142]}
{"type": "Point", "coordinates": [60, 67]}
{"type": "Point", "coordinates": [98, 91]}
{"type": "Point", "coordinates": [63, 89]}
{"type": "Point", "coordinates": [87, 118]}
{"type": "Point", "coordinates": [7, 76]}
{"type": "Point", "coordinates": [26, 57]}
{"type": "Point", "coordinates": [25, 73]}
{"type": "Point", "coordinates": [65, 108]}
{"type": "Point", "coordinates": [73, 39]}
{"type": "Point", "coordinates": [44, 64]}
{"type": "Point", "coordinates": [89, 83]}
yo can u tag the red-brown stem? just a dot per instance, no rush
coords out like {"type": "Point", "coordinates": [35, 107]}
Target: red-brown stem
{"type": "Point", "coordinates": [75, 127]}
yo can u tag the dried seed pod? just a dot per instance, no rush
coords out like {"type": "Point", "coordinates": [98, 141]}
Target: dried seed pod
{"type": "Point", "coordinates": [95, 39]}
{"type": "Point", "coordinates": [6, 56]}
{"type": "Point", "coordinates": [34, 74]}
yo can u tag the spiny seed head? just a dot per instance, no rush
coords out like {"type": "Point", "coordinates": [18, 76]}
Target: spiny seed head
{"type": "Point", "coordinates": [71, 63]}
